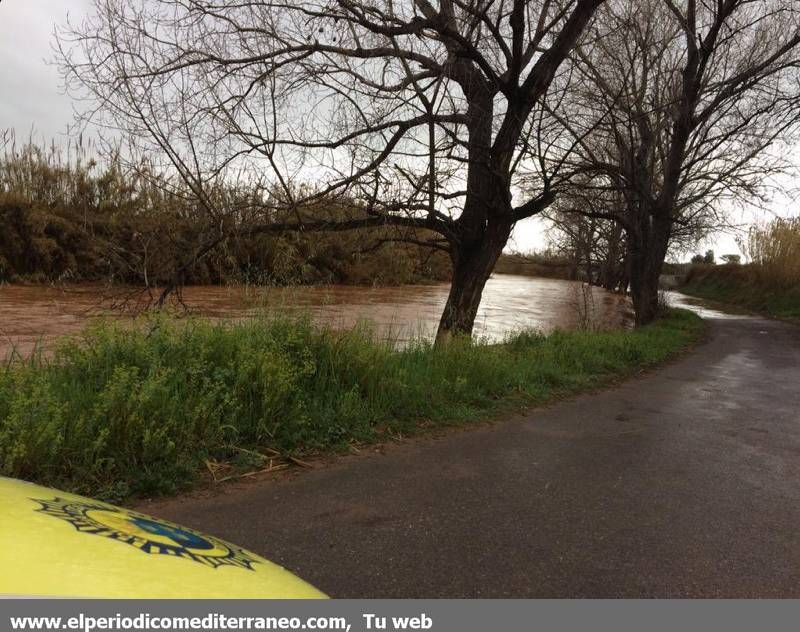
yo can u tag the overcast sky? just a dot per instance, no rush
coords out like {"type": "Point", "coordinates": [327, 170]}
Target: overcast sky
{"type": "Point", "coordinates": [30, 94]}
{"type": "Point", "coordinates": [31, 98]}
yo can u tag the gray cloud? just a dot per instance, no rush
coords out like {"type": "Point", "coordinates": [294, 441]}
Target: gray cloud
{"type": "Point", "coordinates": [30, 94]}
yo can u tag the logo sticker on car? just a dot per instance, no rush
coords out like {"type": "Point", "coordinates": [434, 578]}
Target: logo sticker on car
{"type": "Point", "coordinates": [155, 537]}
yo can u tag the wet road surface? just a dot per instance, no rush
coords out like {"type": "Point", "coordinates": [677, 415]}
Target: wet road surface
{"type": "Point", "coordinates": [681, 483]}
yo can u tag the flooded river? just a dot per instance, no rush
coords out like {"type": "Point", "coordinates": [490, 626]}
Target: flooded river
{"type": "Point", "coordinates": [31, 315]}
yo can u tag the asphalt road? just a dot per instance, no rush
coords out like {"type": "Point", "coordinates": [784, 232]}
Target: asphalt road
{"type": "Point", "coordinates": [681, 483]}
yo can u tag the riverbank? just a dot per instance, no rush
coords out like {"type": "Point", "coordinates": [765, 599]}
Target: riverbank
{"type": "Point", "coordinates": [745, 287]}
{"type": "Point", "coordinates": [129, 412]}
{"type": "Point", "coordinates": [38, 316]}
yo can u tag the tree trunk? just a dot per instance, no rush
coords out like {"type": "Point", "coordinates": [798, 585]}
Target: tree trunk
{"type": "Point", "coordinates": [648, 249]}
{"type": "Point", "coordinates": [472, 265]}
{"type": "Point", "coordinates": [644, 289]}
{"type": "Point", "coordinates": [483, 227]}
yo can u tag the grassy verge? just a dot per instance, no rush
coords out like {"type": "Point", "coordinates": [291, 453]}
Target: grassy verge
{"type": "Point", "coordinates": [128, 412]}
{"type": "Point", "coordinates": [744, 286]}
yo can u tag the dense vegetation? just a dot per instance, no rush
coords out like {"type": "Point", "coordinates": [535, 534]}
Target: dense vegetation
{"type": "Point", "coordinates": [135, 411]}
{"type": "Point", "coordinates": [68, 218]}
{"type": "Point", "coordinates": [545, 264]}
{"type": "Point", "coordinates": [770, 284]}
{"type": "Point", "coordinates": [744, 286]}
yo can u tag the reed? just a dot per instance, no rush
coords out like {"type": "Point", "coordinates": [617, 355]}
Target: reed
{"type": "Point", "coordinates": [68, 216]}
{"type": "Point", "coordinates": [770, 284]}
{"type": "Point", "coordinates": [775, 249]}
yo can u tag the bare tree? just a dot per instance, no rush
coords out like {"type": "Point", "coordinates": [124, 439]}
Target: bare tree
{"type": "Point", "coordinates": [429, 113]}
{"type": "Point", "coordinates": [580, 231]}
{"type": "Point", "coordinates": [691, 106]}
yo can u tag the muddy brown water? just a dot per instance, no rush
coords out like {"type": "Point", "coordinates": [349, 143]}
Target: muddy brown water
{"type": "Point", "coordinates": [39, 315]}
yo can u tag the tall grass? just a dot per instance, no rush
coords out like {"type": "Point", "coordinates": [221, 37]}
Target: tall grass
{"type": "Point", "coordinates": [770, 284]}
{"type": "Point", "coordinates": [775, 249]}
{"type": "Point", "coordinates": [137, 411]}
{"type": "Point", "coordinates": [67, 215]}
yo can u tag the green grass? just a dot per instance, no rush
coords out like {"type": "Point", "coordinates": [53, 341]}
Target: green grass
{"type": "Point", "coordinates": [129, 412]}
{"type": "Point", "coordinates": [746, 287]}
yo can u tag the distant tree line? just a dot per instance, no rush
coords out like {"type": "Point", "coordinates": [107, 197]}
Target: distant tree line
{"type": "Point", "coordinates": [548, 264]}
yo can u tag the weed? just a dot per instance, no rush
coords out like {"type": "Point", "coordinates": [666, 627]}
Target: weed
{"type": "Point", "coordinates": [128, 411]}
